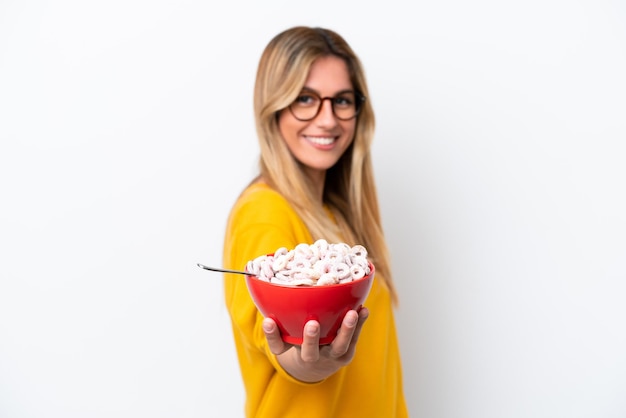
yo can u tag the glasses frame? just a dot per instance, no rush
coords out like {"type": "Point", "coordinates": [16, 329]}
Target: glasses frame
{"type": "Point", "coordinates": [359, 99]}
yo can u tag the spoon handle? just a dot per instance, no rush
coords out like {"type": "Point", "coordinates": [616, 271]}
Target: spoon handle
{"type": "Point", "coordinates": [220, 270]}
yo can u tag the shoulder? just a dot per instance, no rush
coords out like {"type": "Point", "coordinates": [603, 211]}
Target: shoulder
{"type": "Point", "coordinates": [261, 221]}
{"type": "Point", "coordinates": [261, 192]}
{"type": "Point", "coordinates": [260, 206]}
{"type": "Point", "coordinates": [260, 202]}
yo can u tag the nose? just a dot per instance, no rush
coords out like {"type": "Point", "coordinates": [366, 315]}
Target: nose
{"type": "Point", "coordinates": [326, 116]}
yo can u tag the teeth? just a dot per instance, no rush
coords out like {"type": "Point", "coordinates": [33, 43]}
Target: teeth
{"type": "Point", "coordinates": [321, 141]}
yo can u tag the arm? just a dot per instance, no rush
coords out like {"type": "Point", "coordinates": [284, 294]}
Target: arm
{"type": "Point", "coordinates": [263, 222]}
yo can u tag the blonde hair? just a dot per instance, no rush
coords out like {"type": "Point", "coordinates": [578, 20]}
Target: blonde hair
{"type": "Point", "coordinates": [349, 189]}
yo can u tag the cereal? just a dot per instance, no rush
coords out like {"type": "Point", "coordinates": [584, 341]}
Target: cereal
{"type": "Point", "coordinates": [318, 264]}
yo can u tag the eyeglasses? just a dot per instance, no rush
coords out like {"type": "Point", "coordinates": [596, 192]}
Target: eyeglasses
{"type": "Point", "coordinates": [346, 105]}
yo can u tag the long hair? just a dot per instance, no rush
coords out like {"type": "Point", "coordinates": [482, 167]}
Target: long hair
{"type": "Point", "coordinates": [349, 190]}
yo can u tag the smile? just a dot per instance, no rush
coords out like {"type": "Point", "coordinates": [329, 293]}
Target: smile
{"type": "Point", "coordinates": [320, 140]}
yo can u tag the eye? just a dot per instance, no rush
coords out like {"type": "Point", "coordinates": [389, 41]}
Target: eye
{"type": "Point", "coordinates": [305, 100]}
{"type": "Point", "coordinates": [344, 101]}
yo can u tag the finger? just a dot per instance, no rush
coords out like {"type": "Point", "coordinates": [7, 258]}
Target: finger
{"type": "Point", "coordinates": [341, 343]}
{"type": "Point", "coordinates": [310, 350]}
{"type": "Point", "coordinates": [272, 333]}
{"type": "Point", "coordinates": [363, 315]}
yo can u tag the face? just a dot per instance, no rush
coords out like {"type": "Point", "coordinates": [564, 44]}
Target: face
{"type": "Point", "coordinates": [319, 143]}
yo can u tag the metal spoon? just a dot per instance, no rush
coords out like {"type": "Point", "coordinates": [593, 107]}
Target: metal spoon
{"type": "Point", "coordinates": [220, 270]}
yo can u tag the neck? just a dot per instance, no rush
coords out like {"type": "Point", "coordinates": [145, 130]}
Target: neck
{"type": "Point", "coordinates": [317, 178]}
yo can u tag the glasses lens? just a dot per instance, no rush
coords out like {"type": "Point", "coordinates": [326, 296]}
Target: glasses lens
{"type": "Point", "coordinates": [345, 105]}
{"type": "Point", "coordinates": [306, 106]}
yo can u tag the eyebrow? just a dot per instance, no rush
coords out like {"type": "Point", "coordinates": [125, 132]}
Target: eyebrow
{"type": "Point", "coordinates": [336, 94]}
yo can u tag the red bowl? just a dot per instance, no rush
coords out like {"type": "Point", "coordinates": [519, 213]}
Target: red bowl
{"type": "Point", "coordinates": [292, 306]}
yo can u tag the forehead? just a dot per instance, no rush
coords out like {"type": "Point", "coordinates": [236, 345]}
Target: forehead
{"type": "Point", "coordinates": [328, 75]}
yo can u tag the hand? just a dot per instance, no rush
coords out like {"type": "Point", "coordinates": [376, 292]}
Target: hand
{"type": "Point", "coordinates": [311, 362]}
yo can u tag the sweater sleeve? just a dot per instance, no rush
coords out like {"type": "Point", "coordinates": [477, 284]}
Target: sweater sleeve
{"type": "Point", "coordinates": [261, 222]}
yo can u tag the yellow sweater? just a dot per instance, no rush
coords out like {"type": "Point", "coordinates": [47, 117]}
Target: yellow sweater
{"type": "Point", "coordinates": [261, 221]}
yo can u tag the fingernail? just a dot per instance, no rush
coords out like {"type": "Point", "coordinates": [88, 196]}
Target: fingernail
{"type": "Point", "coordinates": [311, 330]}
{"type": "Point", "coordinates": [267, 327]}
{"type": "Point", "coordinates": [351, 320]}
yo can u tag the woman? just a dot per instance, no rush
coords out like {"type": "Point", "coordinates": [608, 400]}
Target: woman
{"type": "Point", "coordinates": [315, 126]}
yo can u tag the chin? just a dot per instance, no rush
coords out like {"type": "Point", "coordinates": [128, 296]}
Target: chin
{"type": "Point", "coordinates": [320, 166]}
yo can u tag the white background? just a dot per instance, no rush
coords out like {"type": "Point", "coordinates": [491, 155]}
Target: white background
{"type": "Point", "coordinates": [126, 133]}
